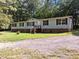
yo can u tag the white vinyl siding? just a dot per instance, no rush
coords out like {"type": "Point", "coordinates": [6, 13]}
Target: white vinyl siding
{"type": "Point", "coordinates": [66, 23]}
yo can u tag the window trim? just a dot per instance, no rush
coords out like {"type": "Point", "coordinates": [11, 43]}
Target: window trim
{"type": "Point", "coordinates": [45, 22]}
{"type": "Point", "coordinates": [65, 22]}
{"type": "Point", "coordinates": [30, 23]}
{"type": "Point", "coordinates": [21, 24]}
{"type": "Point", "coordinates": [57, 23]}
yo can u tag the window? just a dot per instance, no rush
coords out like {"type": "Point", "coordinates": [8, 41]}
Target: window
{"type": "Point", "coordinates": [64, 21]}
{"type": "Point", "coordinates": [21, 24]}
{"type": "Point", "coordinates": [14, 25]}
{"type": "Point", "coordinates": [33, 23]}
{"type": "Point", "coordinates": [58, 21]}
{"type": "Point", "coordinates": [30, 23]}
{"type": "Point", "coordinates": [61, 21]}
{"type": "Point", "coordinates": [45, 22]}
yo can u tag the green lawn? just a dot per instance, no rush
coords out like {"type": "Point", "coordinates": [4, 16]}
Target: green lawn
{"type": "Point", "coordinates": [12, 36]}
{"type": "Point", "coordinates": [75, 32]}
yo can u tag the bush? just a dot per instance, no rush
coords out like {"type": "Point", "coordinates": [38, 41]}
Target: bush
{"type": "Point", "coordinates": [18, 32]}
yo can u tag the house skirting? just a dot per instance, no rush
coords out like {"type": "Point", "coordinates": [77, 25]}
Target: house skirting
{"type": "Point", "coordinates": [41, 30]}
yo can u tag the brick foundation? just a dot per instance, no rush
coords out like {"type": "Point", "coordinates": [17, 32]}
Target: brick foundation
{"type": "Point", "coordinates": [41, 30]}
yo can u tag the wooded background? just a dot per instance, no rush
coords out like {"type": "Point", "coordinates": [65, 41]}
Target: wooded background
{"type": "Point", "coordinates": [22, 10]}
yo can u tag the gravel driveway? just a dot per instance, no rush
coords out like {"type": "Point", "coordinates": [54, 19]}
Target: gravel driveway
{"type": "Point", "coordinates": [45, 44]}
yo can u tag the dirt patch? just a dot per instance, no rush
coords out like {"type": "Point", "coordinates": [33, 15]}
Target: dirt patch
{"type": "Point", "coordinates": [61, 47]}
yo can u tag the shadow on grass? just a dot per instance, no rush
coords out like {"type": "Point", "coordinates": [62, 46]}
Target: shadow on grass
{"type": "Point", "coordinates": [75, 32]}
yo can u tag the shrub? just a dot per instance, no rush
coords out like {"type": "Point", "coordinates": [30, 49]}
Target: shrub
{"type": "Point", "coordinates": [18, 32]}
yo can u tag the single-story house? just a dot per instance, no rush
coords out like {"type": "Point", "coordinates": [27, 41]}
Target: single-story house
{"type": "Point", "coordinates": [58, 24]}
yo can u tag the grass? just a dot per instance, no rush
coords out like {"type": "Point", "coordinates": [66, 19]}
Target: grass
{"type": "Point", "coordinates": [12, 36]}
{"type": "Point", "coordinates": [20, 53]}
{"type": "Point", "coordinates": [75, 32]}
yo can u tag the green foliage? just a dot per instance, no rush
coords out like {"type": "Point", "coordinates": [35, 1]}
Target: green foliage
{"type": "Point", "coordinates": [68, 7]}
{"type": "Point", "coordinates": [48, 10]}
{"type": "Point", "coordinates": [26, 9]}
{"type": "Point", "coordinates": [11, 36]}
{"type": "Point", "coordinates": [7, 9]}
{"type": "Point", "coordinates": [4, 21]}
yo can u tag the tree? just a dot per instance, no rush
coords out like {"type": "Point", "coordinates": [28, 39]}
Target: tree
{"type": "Point", "coordinates": [5, 15]}
{"type": "Point", "coordinates": [69, 7]}
{"type": "Point", "coordinates": [21, 10]}
{"type": "Point", "coordinates": [4, 21]}
{"type": "Point", "coordinates": [48, 10]}
{"type": "Point", "coordinates": [25, 9]}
